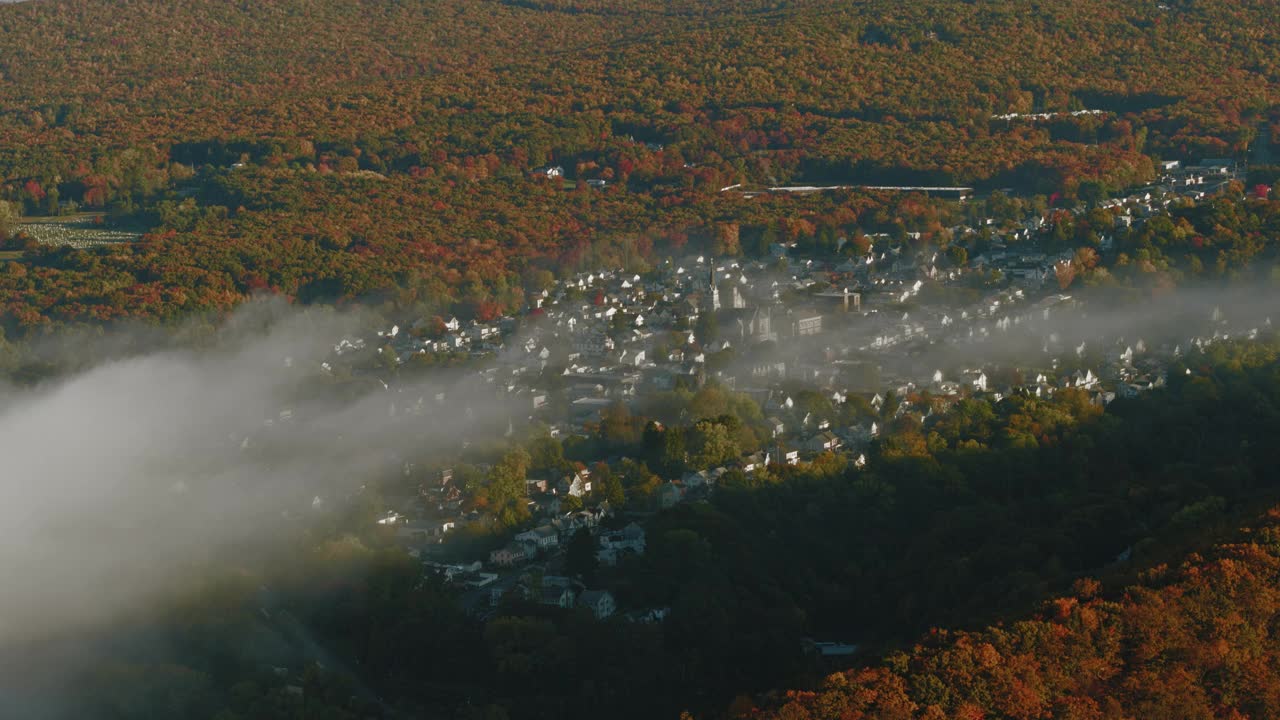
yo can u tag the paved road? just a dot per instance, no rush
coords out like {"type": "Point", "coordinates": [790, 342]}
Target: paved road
{"type": "Point", "coordinates": [1262, 145]}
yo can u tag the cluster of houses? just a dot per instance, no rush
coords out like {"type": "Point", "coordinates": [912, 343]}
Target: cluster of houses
{"type": "Point", "coordinates": [484, 591]}
{"type": "Point", "coordinates": [614, 335]}
{"type": "Point", "coordinates": [547, 538]}
{"type": "Point", "coordinates": [611, 337]}
{"type": "Point", "coordinates": [517, 570]}
{"type": "Point", "coordinates": [556, 591]}
{"type": "Point", "coordinates": [516, 573]}
{"type": "Point", "coordinates": [854, 326]}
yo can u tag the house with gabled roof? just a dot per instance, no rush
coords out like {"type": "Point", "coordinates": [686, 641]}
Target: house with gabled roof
{"type": "Point", "coordinates": [599, 602]}
{"type": "Point", "coordinates": [542, 537]}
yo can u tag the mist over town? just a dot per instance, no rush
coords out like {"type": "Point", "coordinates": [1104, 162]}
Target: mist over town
{"type": "Point", "coordinates": [522, 359]}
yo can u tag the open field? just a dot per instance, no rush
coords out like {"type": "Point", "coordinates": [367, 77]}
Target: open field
{"type": "Point", "coordinates": [80, 231]}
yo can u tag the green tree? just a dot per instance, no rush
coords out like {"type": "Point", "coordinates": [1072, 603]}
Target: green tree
{"type": "Point", "coordinates": [711, 444]}
{"type": "Point", "coordinates": [546, 453]}
{"type": "Point", "coordinates": [580, 556]}
{"type": "Point", "coordinates": [665, 449]}
{"type": "Point", "coordinates": [736, 479]}
{"type": "Point", "coordinates": [8, 218]}
{"type": "Point", "coordinates": [506, 488]}
{"type": "Point", "coordinates": [617, 427]}
{"type": "Point", "coordinates": [611, 490]}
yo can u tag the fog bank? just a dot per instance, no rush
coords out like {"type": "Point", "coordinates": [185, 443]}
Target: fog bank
{"type": "Point", "coordinates": [117, 479]}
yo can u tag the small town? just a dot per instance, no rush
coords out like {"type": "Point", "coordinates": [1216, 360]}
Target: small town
{"type": "Point", "coordinates": [825, 351]}
{"type": "Point", "coordinates": [693, 360]}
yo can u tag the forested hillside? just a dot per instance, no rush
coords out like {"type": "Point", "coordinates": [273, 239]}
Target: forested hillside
{"type": "Point", "coordinates": [1067, 548]}
{"type": "Point", "coordinates": [336, 150]}
{"type": "Point", "coordinates": [1192, 641]}
{"type": "Point", "coordinates": [982, 517]}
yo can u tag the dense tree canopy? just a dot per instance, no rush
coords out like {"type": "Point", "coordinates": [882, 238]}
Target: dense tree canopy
{"type": "Point", "coordinates": [1191, 641]}
{"type": "Point", "coordinates": [389, 152]}
{"type": "Point", "coordinates": [984, 514]}
{"type": "Point", "coordinates": [380, 151]}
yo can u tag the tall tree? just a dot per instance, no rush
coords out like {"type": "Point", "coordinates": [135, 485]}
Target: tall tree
{"type": "Point", "coordinates": [580, 556]}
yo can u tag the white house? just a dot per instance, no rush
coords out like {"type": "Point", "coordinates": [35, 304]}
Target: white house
{"type": "Point", "coordinates": [542, 537]}
{"type": "Point", "coordinates": [577, 484]}
{"type": "Point", "coordinates": [976, 379]}
{"type": "Point", "coordinates": [787, 457]}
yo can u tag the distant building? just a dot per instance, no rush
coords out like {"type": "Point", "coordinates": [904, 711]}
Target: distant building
{"type": "Point", "coordinates": [806, 325]}
{"type": "Point", "coordinates": [627, 540]}
{"type": "Point", "coordinates": [785, 456]}
{"type": "Point", "coordinates": [713, 291]}
{"type": "Point", "coordinates": [542, 538]}
{"type": "Point", "coordinates": [847, 300]}
{"type": "Point", "coordinates": [670, 494]}
{"type": "Point", "coordinates": [557, 596]}
{"type": "Point", "coordinates": [509, 555]}
{"type": "Point", "coordinates": [822, 442]}
{"type": "Point", "coordinates": [751, 324]}
{"type": "Point", "coordinates": [599, 602]}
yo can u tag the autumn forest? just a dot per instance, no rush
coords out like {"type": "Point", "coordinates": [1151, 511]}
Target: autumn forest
{"type": "Point", "coordinates": [1055, 556]}
{"type": "Point", "coordinates": [382, 151]}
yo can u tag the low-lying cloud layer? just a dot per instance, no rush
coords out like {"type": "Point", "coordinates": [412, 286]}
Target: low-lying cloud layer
{"type": "Point", "coordinates": [118, 478]}
{"type": "Point", "coordinates": [912, 343]}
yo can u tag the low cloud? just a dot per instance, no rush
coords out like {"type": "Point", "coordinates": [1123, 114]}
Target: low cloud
{"type": "Point", "coordinates": [910, 342]}
{"type": "Point", "coordinates": [117, 479]}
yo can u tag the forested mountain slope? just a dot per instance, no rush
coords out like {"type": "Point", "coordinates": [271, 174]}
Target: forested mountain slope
{"type": "Point", "coordinates": [447, 157]}
{"type": "Point", "coordinates": [1194, 641]}
{"type": "Point", "coordinates": [971, 521]}
{"type": "Point", "coordinates": [871, 80]}
{"type": "Point", "coordinates": [332, 116]}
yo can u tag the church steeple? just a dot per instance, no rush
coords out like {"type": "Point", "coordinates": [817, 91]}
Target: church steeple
{"type": "Point", "coordinates": [714, 303]}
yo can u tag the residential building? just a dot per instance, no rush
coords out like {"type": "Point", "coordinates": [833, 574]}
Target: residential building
{"type": "Point", "coordinates": [599, 602]}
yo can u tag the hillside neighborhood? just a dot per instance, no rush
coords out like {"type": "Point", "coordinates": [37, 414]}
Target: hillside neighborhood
{"type": "Point", "coordinates": [827, 349]}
